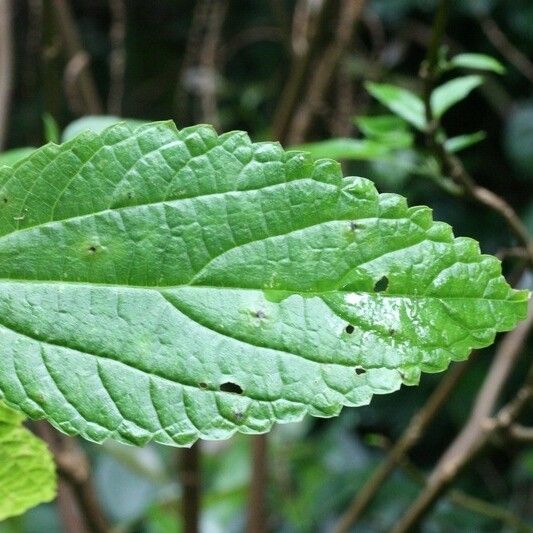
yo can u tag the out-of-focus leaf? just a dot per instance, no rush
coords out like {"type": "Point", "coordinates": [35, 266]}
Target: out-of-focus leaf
{"type": "Point", "coordinates": [450, 93]}
{"type": "Point", "coordinates": [456, 144]}
{"type": "Point", "coordinates": [27, 472]}
{"type": "Point", "coordinates": [478, 62]}
{"type": "Point", "coordinates": [518, 140]}
{"type": "Point", "coordinates": [345, 148]}
{"type": "Point", "coordinates": [96, 123]}
{"type": "Point", "coordinates": [400, 101]}
{"type": "Point", "coordinates": [389, 129]}
{"type": "Point", "coordinates": [10, 157]}
{"type": "Point", "coordinates": [51, 129]}
{"type": "Point", "coordinates": [125, 492]}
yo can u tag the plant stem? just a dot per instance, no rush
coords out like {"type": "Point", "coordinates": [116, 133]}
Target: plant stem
{"type": "Point", "coordinates": [451, 165]}
{"type": "Point", "coordinates": [78, 76]}
{"type": "Point", "coordinates": [190, 477]}
{"type": "Point", "coordinates": [75, 483]}
{"type": "Point", "coordinates": [257, 497]}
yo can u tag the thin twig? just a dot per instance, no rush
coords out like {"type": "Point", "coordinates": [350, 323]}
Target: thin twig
{"type": "Point", "coordinates": [117, 57]}
{"type": "Point", "coordinates": [78, 67]}
{"type": "Point", "coordinates": [450, 164]}
{"type": "Point", "coordinates": [322, 73]}
{"type": "Point", "coordinates": [305, 24]}
{"type": "Point", "coordinates": [479, 427]}
{"type": "Point", "coordinates": [472, 503]}
{"type": "Point", "coordinates": [6, 66]}
{"type": "Point", "coordinates": [521, 433]}
{"type": "Point", "coordinates": [417, 426]}
{"type": "Point", "coordinates": [507, 49]}
{"type": "Point", "coordinates": [208, 56]}
{"type": "Point", "coordinates": [73, 468]}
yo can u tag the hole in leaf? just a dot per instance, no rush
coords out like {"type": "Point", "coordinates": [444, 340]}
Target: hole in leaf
{"type": "Point", "coordinates": [359, 370]}
{"type": "Point", "coordinates": [202, 385]}
{"type": "Point", "coordinates": [382, 284]}
{"type": "Point", "coordinates": [349, 329]}
{"type": "Point", "coordinates": [92, 249]}
{"type": "Point", "coordinates": [231, 387]}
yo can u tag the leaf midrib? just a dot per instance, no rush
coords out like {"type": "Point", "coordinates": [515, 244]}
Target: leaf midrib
{"type": "Point", "coordinates": [306, 293]}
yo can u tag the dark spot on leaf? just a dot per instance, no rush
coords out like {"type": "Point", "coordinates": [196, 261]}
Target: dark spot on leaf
{"type": "Point", "coordinates": [260, 314]}
{"type": "Point", "coordinates": [130, 195]}
{"type": "Point", "coordinates": [92, 249]}
{"type": "Point", "coordinates": [354, 226]}
{"type": "Point", "coordinates": [382, 284]}
{"type": "Point", "coordinates": [231, 387]}
{"type": "Point", "coordinates": [202, 385]}
{"type": "Point", "coordinates": [359, 370]}
{"type": "Point", "coordinates": [392, 332]}
{"type": "Point", "coordinates": [349, 329]}
{"type": "Point", "coordinates": [5, 200]}
{"type": "Point", "coordinates": [238, 415]}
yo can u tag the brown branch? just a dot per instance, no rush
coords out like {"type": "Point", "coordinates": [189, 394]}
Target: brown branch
{"type": "Point", "coordinates": [417, 426]}
{"type": "Point", "coordinates": [257, 497]}
{"type": "Point", "coordinates": [191, 481]}
{"type": "Point", "coordinates": [477, 430]}
{"type": "Point", "coordinates": [75, 483]}
{"type": "Point", "coordinates": [117, 57]}
{"type": "Point", "coordinates": [208, 57]}
{"type": "Point", "coordinates": [78, 67]}
{"type": "Point", "coordinates": [305, 24]}
{"type": "Point", "coordinates": [323, 70]}
{"type": "Point", "coordinates": [6, 66]}
{"type": "Point", "coordinates": [471, 503]}
{"type": "Point", "coordinates": [500, 41]}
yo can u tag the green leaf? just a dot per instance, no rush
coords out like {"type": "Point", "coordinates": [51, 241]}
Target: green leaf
{"type": "Point", "coordinates": [478, 62]}
{"type": "Point", "coordinates": [10, 157]}
{"type": "Point", "coordinates": [27, 472]}
{"type": "Point", "coordinates": [456, 144]}
{"type": "Point", "coordinates": [171, 285]}
{"type": "Point", "coordinates": [51, 129]}
{"type": "Point", "coordinates": [400, 101]}
{"type": "Point", "coordinates": [386, 129]}
{"type": "Point", "coordinates": [450, 93]}
{"type": "Point", "coordinates": [96, 123]}
{"type": "Point", "coordinates": [345, 148]}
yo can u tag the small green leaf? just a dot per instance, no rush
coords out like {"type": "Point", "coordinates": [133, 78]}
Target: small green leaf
{"type": "Point", "coordinates": [450, 93]}
{"type": "Point", "coordinates": [51, 129]}
{"type": "Point", "coordinates": [96, 123]}
{"type": "Point", "coordinates": [478, 62]}
{"type": "Point", "coordinates": [400, 101]}
{"type": "Point", "coordinates": [388, 129]}
{"type": "Point", "coordinates": [27, 472]}
{"type": "Point", "coordinates": [169, 285]}
{"type": "Point", "coordinates": [456, 144]}
{"type": "Point", "coordinates": [10, 157]}
{"type": "Point", "coordinates": [345, 148]}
